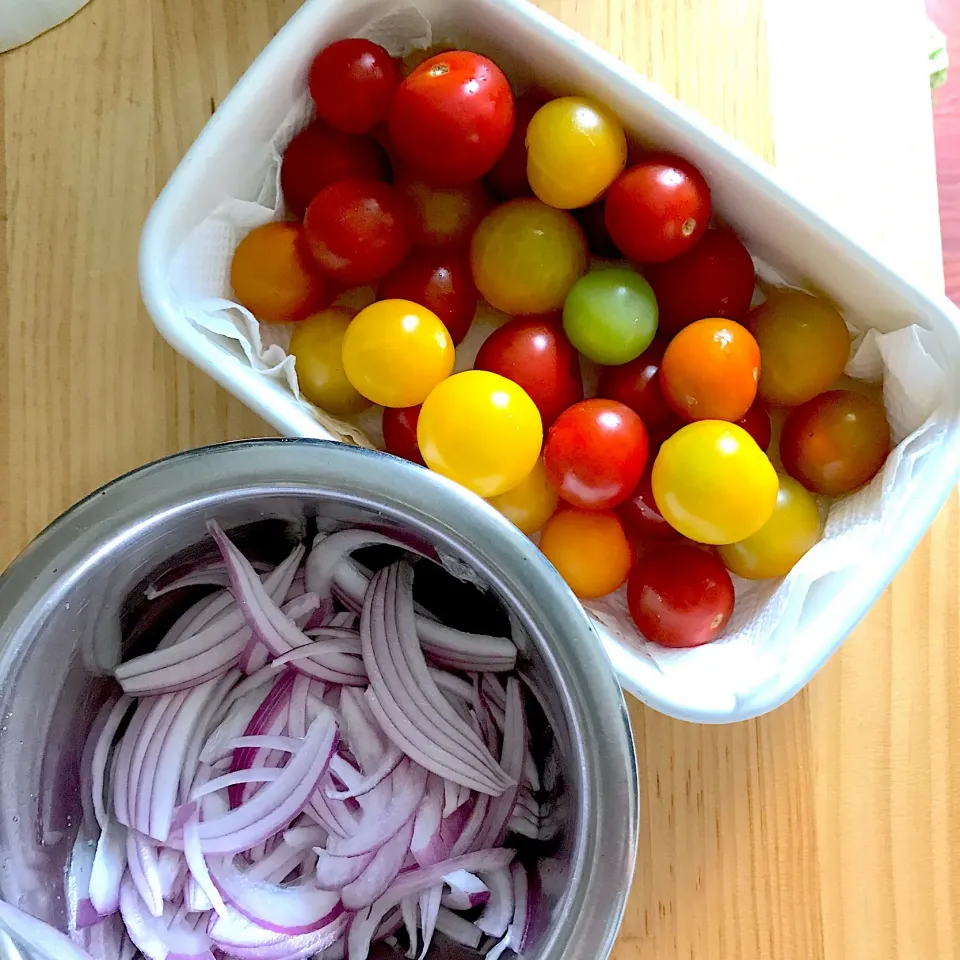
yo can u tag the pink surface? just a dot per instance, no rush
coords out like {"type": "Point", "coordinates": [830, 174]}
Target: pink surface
{"type": "Point", "coordinates": [946, 119]}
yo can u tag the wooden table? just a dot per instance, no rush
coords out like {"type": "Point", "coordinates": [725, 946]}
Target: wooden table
{"type": "Point", "coordinates": [826, 830]}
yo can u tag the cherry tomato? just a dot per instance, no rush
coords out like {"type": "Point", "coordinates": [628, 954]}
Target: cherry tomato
{"type": "Point", "coordinates": [610, 315]}
{"type": "Point", "coordinates": [443, 218]}
{"type": "Point", "coordinates": [452, 117]}
{"type": "Point", "coordinates": [480, 430]}
{"type": "Point", "coordinates": [357, 230]}
{"type": "Point", "coordinates": [319, 156]}
{"type": "Point", "coordinates": [526, 256]}
{"type": "Point", "coordinates": [710, 371]}
{"type": "Point", "coordinates": [773, 551]}
{"type": "Point", "coordinates": [317, 346]}
{"type": "Point", "coordinates": [575, 149]}
{"type": "Point", "coordinates": [508, 177]}
{"type": "Point", "coordinates": [658, 209]}
{"type": "Point", "coordinates": [439, 281]}
{"type": "Point", "coordinates": [756, 421]}
{"type": "Point", "coordinates": [804, 346]}
{"type": "Point", "coordinates": [595, 453]}
{"type": "Point", "coordinates": [713, 483]}
{"type": "Point", "coordinates": [531, 503]}
{"type": "Point", "coordinates": [715, 278]}
{"type": "Point", "coordinates": [589, 550]}
{"type": "Point", "coordinates": [680, 596]}
{"type": "Point", "coordinates": [395, 352]}
{"type": "Point", "coordinates": [592, 219]}
{"type": "Point", "coordinates": [637, 384]}
{"type": "Point", "coordinates": [835, 442]}
{"type": "Point", "coordinates": [353, 83]}
{"type": "Point", "coordinates": [536, 355]}
{"type": "Point", "coordinates": [400, 433]}
{"type": "Point", "coordinates": [641, 517]}
{"type": "Point", "coordinates": [274, 276]}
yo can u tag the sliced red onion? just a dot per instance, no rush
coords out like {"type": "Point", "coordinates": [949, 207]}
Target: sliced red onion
{"type": "Point", "coordinates": [405, 701]}
{"type": "Point", "coordinates": [143, 769]}
{"type": "Point", "coordinates": [194, 618]}
{"type": "Point", "coordinates": [380, 873]}
{"type": "Point", "coordinates": [293, 948]}
{"type": "Point", "coordinates": [241, 777]}
{"type": "Point", "coordinates": [334, 873]}
{"type": "Point", "coordinates": [109, 864]}
{"type": "Point", "coordinates": [101, 755]}
{"type": "Point", "coordinates": [361, 729]}
{"type": "Point", "coordinates": [36, 936]}
{"type": "Point", "coordinates": [172, 869]}
{"type": "Point", "coordinates": [388, 764]}
{"type": "Point", "coordinates": [164, 937]}
{"type": "Point", "coordinates": [456, 928]}
{"type": "Point", "coordinates": [426, 828]}
{"type": "Point", "coordinates": [466, 890]}
{"type": "Point", "coordinates": [198, 866]}
{"type": "Point", "coordinates": [144, 870]}
{"type": "Point", "coordinates": [195, 899]}
{"type": "Point", "coordinates": [413, 883]}
{"type": "Point", "coordinates": [292, 910]}
{"type": "Point", "coordinates": [273, 807]}
{"type": "Point", "coordinates": [429, 911]}
{"type": "Point", "coordinates": [209, 575]}
{"type": "Point", "coordinates": [520, 924]}
{"type": "Point", "coordinates": [471, 829]}
{"type": "Point", "coordinates": [511, 761]}
{"type": "Point", "coordinates": [498, 912]}
{"type": "Point", "coordinates": [170, 762]}
{"type": "Point", "coordinates": [81, 912]}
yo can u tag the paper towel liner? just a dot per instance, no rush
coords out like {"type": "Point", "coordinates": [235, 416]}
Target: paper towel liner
{"type": "Point", "coordinates": [756, 644]}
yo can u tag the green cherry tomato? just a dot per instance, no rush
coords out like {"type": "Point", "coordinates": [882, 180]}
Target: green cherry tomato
{"type": "Point", "coordinates": [610, 315]}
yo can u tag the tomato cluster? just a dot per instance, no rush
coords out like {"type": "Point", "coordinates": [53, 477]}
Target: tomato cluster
{"type": "Point", "coordinates": [433, 184]}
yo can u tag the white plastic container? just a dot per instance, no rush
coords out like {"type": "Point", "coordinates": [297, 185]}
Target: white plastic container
{"type": "Point", "coordinates": [778, 228]}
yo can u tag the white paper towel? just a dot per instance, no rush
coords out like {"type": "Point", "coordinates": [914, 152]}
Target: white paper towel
{"type": "Point", "coordinates": [757, 642]}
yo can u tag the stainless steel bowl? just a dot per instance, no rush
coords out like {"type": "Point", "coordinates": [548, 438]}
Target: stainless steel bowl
{"type": "Point", "coordinates": [67, 605]}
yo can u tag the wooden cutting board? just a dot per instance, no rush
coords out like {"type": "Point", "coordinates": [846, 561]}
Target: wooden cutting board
{"type": "Point", "coordinates": [826, 830]}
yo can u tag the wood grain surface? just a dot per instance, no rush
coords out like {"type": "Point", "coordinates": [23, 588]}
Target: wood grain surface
{"type": "Point", "coordinates": [828, 829]}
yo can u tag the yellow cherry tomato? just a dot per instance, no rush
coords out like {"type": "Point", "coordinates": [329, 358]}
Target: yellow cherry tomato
{"type": "Point", "coordinates": [804, 346]}
{"type": "Point", "coordinates": [575, 149]}
{"type": "Point", "coordinates": [713, 484]}
{"type": "Point", "coordinates": [531, 503]}
{"type": "Point", "coordinates": [793, 528]}
{"type": "Point", "coordinates": [395, 352]}
{"type": "Point", "coordinates": [589, 549]}
{"type": "Point", "coordinates": [526, 256]}
{"type": "Point", "coordinates": [481, 430]}
{"type": "Point", "coordinates": [317, 346]}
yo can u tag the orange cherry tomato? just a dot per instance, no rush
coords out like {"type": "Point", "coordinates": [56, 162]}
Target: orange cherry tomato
{"type": "Point", "coordinates": [274, 277]}
{"type": "Point", "coordinates": [710, 371]}
{"type": "Point", "coordinates": [531, 503]}
{"type": "Point", "coordinates": [804, 346]}
{"type": "Point", "coordinates": [589, 550]}
{"type": "Point", "coordinates": [835, 442]}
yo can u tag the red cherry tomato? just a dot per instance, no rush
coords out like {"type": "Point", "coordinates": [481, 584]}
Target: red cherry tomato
{"type": "Point", "coordinates": [641, 517]}
{"type": "Point", "coordinates": [443, 218]}
{"type": "Point", "coordinates": [657, 209]}
{"type": "Point", "coordinates": [441, 282]}
{"type": "Point", "coordinates": [756, 421]}
{"type": "Point", "coordinates": [319, 156]}
{"type": "Point", "coordinates": [680, 595]}
{"type": "Point", "coordinates": [452, 117]}
{"type": "Point", "coordinates": [537, 356]}
{"type": "Point", "coordinates": [713, 279]}
{"type": "Point", "coordinates": [637, 384]}
{"type": "Point", "coordinates": [836, 442]}
{"type": "Point", "coordinates": [595, 453]}
{"type": "Point", "coordinates": [593, 220]}
{"type": "Point", "coordinates": [508, 178]}
{"type": "Point", "coordinates": [400, 433]}
{"type": "Point", "coordinates": [353, 83]}
{"type": "Point", "coordinates": [357, 230]}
